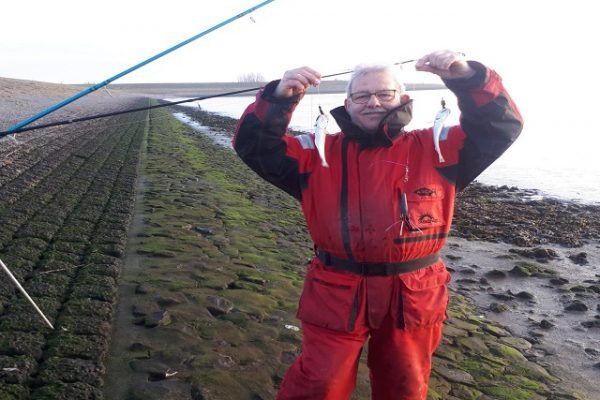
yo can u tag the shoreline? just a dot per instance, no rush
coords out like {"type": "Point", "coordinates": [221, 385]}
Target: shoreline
{"type": "Point", "coordinates": [212, 88]}
{"type": "Point", "coordinates": [510, 251]}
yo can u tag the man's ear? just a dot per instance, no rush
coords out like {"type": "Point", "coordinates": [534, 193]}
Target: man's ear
{"type": "Point", "coordinates": [346, 103]}
{"type": "Point", "coordinates": [404, 98]}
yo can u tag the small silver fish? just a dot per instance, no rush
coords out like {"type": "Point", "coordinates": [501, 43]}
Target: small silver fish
{"type": "Point", "coordinates": [438, 126]}
{"type": "Point", "coordinates": [320, 134]}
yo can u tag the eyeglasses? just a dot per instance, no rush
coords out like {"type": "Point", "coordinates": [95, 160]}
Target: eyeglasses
{"type": "Point", "coordinates": [382, 95]}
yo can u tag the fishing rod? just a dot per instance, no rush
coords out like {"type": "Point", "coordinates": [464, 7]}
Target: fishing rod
{"type": "Point", "coordinates": [63, 103]}
{"type": "Point", "coordinates": [164, 104]}
{"type": "Point", "coordinates": [24, 292]}
{"type": "Point", "coordinates": [130, 110]}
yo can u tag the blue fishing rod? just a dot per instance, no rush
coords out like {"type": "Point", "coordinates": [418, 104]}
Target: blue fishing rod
{"type": "Point", "coordinates": [89, 90]}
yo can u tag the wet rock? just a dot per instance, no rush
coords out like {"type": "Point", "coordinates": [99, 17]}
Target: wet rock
{"type": "Point", "coordinates": [520, 271]}
{"type": "Point", "coordinates": [506, 351]}
{"type": "Point", "coordinates": [524, 295]}
{"type": "Point", "coordinates": [545, 324]}
{"type": "Point", "coordinates": [455, 375]}
{"type": "Point", "coordinates": [464, 392]}
{"type": "Point", "coordinates": [496, 274]}
{"type": "Point", "coordinates": [495, 330]}
{"type": "Point", "coordinates": [516, 342]}
{"type": "Point", "coordinates": [576, 306]}
{"type": "Point", "coordinates": [218, 306]}
{"type": "Point", "coordinates": [158, 318]}
{"type": "Point", "coordinates": [203, 230]}
{"type": "Point", "coordinates": [579, 258]}
{"type": "Point", "coordinates": [592, 352]}
{"type": "Point", "coordinates": [140, 350]}
{"type": "Point", "coordinates": [475, 344]}
{"type": "Point", "coordinates": [155, 370]}
{"type": "Point", "coordinates": [467, 271]}
{"type": "Point", "coordinates": [166, 301]}
{"type": "Point", "coordinates": [452, 331]}
{"type": "Point", "coordinates": [524, 269]}
{"type": "Point", "coordinates": [578, 289]}
{"type": "Point", "coordinates": [498, 308]}
{"type": "Point", "coordinates": [449, 353]}
{"type": "Point", "coordinates": [143, 289]}
{"type": "Point", "coordinates": [595, 323]}
{"type": "Point", "coordinates": [594, 288]}
{"type": "Point", "coordinates": [466, 281]}
{"type": "Point", "coordinates": [538, 253]}
{"type": "Point", "coordinates": [535, 336]}
{"type": "Point", "coordinates": [141, 309]}
{"type": "Point", "coordinates": [505, 296]}
{"type": "Point", "coordinates": [524, 239]}
{"type": "Point", "coordinates": [559, 281]}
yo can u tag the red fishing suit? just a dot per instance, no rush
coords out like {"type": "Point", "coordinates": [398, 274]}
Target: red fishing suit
{"type": "Point", "coordinates": [378, 217]}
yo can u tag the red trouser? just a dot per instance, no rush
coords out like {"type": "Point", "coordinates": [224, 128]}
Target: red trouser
{"type": "Point", "coordinates": [401, 314]}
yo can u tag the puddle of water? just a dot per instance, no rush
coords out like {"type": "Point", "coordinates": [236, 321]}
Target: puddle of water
{"type": "Point", "coordinates": [219, 138]}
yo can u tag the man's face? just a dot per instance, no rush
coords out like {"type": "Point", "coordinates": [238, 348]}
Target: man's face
{"type": "Point", "coordinates": [369, 114]}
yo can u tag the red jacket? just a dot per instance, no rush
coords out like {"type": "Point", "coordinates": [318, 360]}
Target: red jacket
{"type": "Point", "coordinates": [354, 209]}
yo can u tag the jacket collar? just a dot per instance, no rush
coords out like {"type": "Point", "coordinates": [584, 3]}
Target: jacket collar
{"type": "Point", "coordinates": [391, 126]}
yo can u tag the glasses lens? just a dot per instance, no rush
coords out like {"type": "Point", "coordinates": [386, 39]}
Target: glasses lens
{"type": "Point", "coordinates": [360, 97]}
{"type": "Point", "coordinates": [364, 97]}
{"type": "Point", "coordinates": [386, 95]}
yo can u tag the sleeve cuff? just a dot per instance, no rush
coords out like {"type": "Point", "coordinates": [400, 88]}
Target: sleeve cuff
{"type": "Point", "coordinates": [268, 95]}
{"type": "Point", "coordinates": [478, 80]}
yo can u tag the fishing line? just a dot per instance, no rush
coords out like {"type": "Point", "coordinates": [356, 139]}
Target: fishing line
{"type": "Point", "coordinates": [79, 95]}
{"type": "Point", "coordinates": [163, 104]}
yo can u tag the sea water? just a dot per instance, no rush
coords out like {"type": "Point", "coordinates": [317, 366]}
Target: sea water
{"type": "Point", "coordinates": [557, 157]}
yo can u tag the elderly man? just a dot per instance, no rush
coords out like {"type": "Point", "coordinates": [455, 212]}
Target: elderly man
{"type": "Point", "coordinates": [378, 216]}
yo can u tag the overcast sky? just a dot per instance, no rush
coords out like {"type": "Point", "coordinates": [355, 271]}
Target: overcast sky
{"type": "Point", "coordinates": [545, 51]}
{"type": "Point", "coordinates": [74, 41]}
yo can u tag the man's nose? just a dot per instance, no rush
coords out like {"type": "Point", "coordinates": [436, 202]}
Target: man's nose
{"type": "Point", "coordinates": [373, 101]}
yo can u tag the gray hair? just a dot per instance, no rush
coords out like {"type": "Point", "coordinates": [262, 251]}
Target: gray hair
{"type": "Point", "coordinates": [363, 70]}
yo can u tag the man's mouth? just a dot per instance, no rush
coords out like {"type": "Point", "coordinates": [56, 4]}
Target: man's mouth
{"type": "Point", "coordinates": [373, 113]}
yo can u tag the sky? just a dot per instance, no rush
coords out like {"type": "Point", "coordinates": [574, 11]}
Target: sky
{"type": "Point", "coordinates": [73, 41]}
{"type": "Point", "coordinates": [546, 52]}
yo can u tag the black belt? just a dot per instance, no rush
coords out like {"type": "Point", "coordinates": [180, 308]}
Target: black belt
{"type": "Point", "coordinates": [377, 269]}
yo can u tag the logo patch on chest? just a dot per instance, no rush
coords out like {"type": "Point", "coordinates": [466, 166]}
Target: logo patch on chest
{"type": "Point", "coordinates": [425, 192]}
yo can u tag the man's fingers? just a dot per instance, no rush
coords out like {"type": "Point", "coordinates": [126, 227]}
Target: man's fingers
{"type": "Point", "coordinates": [297, 81]}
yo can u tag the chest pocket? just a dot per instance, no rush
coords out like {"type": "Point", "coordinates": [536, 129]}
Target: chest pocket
{"type": "Point", "coordinates": [425, 207]}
